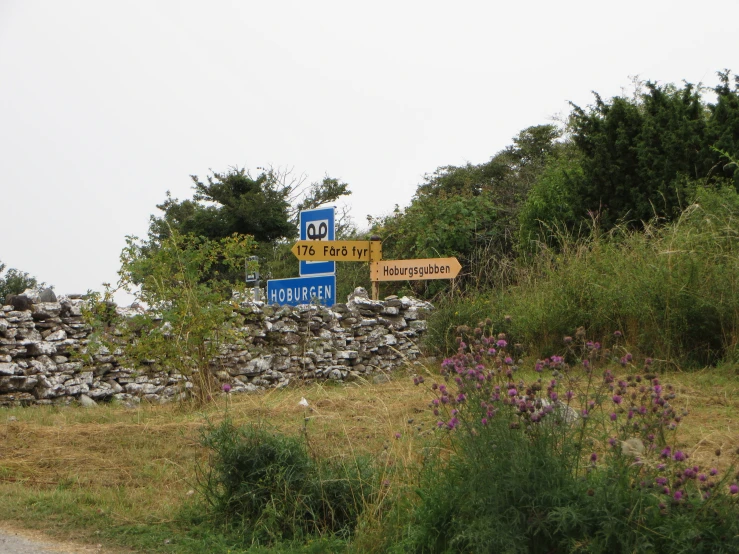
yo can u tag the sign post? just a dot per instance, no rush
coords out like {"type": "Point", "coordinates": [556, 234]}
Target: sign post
{"type": "Point", "coordinates": [302, 290]}
{"type": "Point", "coordinates": [318, 253]}
{"type": "Point", "coordinates": [375, 240]}
{"type": "Point", "coordinates": [338, 250]}
{"type": "Point", "coordinates": [317, 225]}
{"type": "Point", "coordinates": [252, 275]}
{"type": "Point", "coordinates": [413, 270]}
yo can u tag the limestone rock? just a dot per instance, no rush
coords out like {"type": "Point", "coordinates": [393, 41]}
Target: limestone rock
{"type": "Point", "coordinates": [47, 295]}
{"type": "Point", "coordinates": [86, 402]}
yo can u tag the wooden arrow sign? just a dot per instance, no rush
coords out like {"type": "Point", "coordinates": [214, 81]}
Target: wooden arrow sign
{"type": "Point", "coordinates": [412, 270]}
{"type": "Point", "coordinates": [338, 250]}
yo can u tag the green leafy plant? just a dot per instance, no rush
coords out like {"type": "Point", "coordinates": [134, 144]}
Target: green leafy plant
{"type": "Point", "coordinates": [189, 309]}
{"type": "Point", "coordinates": [268, 487]}
{"type": "Point", "coordinates": [15, 282]}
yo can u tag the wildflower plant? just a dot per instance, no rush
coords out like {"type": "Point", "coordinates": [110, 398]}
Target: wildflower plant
{"type": "Point", "coordinates": [578, 454]}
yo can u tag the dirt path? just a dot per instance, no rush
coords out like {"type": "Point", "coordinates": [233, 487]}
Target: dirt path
{"type": "Point", "coordinates": [23, 541]}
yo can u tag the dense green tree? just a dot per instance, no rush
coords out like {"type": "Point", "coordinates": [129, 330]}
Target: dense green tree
{"type": "Point", "coordinates": [722, 130]}
{"type": "Point", "coordinates": [265, 207]}
{"type": "Point", "coordinates": [552, 207]}
{"type": "Point", "coordinates": [642, 156]}
{"type": "Point", "coordinates": [15, 282]}
{"type": "Point", "coordinates": [470, 211]}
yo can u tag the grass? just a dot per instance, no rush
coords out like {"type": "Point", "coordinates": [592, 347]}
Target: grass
{"type": "Point", "coordinates": [123, 477]}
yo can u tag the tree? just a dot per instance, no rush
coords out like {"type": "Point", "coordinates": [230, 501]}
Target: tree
{"type": "Point", "coordinates": [552, 205]}
{"type": "Point", "coordinates": [641, 157]}
{"type": "Point", "coordinates": [265, 207]}
{"type": "Point", "coordinates": [15, 281]}
{"type": "Point", "coordinates": [471, 211]}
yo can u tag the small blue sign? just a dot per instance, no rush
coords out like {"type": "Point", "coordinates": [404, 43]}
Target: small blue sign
{"type": "Point", "coordinates": [302, 290]}
{"type": "Point", "coordinates": [317, 224]}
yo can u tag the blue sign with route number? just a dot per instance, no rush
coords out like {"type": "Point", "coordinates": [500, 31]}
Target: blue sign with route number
{"type": "Point", "coordinates": [302, 290]}
{"type": "Point", "coordinates": [318, 224]}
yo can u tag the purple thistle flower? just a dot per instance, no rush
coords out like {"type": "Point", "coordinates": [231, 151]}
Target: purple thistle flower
{"type": "Point", "coordinates": [679, 456]}
{"type": "Point", "coordinates": [501, 343]}
{"type": "Point", "coordinates": [713, 471]}
{"type": "Point", "coordinates": [678, 496]}
{"type": "Point", "coordinates": [586, 364]}
{"type": "Point", "coordinates": [492, 351]}
{"type": "Point", "coordinates": [614, 416]}
{"type": "Point", "coordinates": [484, 421]}
{"type": "Point", "coordinates": [616, 399]}
{"type": "Point", "coordinates": [594, 457]}
{"type": "Point", "coordinates": [569, 395]}
{"type": "Point", "coordinates": [617, 334]}
{"type": "Point", "coordinates": [397, 435]}
{"type": "Point", "coordinates": [702, 477]}
{"type": "Point", "coordinates": [508, 360]}
{"type": "Point", "coordinates": [512, 392]}
{"type": "Point", "coordinates": [733, 489]}
{"type": "Point", "coordinates": [612, 441]}
{"type": "Point", "coordinates": [662, 481]}
{"type": "Point", "coordinates": [226, 387]}
{"type": "Point", "coordinates": [661, 467]}
{"type": "Point", "coordinates": [665, 452]}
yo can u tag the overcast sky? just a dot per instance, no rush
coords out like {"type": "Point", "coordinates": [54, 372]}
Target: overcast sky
{"type": "Point", "coordinates": [104, 106]}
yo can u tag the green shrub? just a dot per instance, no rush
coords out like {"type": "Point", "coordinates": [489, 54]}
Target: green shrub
{"type": "Point", "coordinates": [449, 314]}
{"type": "Point", "coordinates": [575, 459]}
{"type": "Point", "coordinates": [268, 488]}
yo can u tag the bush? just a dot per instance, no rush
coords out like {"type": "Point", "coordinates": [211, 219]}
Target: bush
{"type": "Point", "coordinates": [582, 460]}
{"type": "Point", "coordinates": [268, 488]}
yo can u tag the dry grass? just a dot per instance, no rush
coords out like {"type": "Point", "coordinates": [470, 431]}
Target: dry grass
{"type": "Point", "coordinates": [115, 466]}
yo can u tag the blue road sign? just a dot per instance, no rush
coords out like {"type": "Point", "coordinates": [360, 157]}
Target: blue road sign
{"type": "Point", "coordinates": [318, 224]}
{"type": "Point", "coordinates": [302, 290]}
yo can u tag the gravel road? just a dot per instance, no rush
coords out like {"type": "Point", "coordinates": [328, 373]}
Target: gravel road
{"type": "Point", "coordinates": [17, 541]}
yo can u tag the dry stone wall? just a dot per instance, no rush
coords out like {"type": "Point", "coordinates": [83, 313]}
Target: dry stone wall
{"type": "Point", "coordinates": [45, 348]}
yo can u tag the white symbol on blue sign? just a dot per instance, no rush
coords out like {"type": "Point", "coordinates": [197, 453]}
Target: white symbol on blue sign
{"type": "Point", "coordinates": [318, 224]}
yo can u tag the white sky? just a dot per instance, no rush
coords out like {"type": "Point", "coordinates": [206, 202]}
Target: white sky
{"type": "Point", "coordinates": [104, 106]}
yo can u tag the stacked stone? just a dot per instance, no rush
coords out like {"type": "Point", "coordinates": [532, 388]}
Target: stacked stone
{"type": "Point", "coordinates": [44, 354]}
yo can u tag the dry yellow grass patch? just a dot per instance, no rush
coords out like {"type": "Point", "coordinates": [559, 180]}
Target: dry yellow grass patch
{"type": "Point", "coordinates": [138, 465]}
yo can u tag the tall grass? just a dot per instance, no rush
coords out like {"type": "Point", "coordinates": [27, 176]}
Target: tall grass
{"type": "Point", "coordinates": [673, 291]}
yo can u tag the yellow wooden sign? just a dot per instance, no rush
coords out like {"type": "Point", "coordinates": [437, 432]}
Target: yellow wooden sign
{"type": "Point", "coordinates": [338, 250]}
{"type": "Point", "coordinates": [412, 270]}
